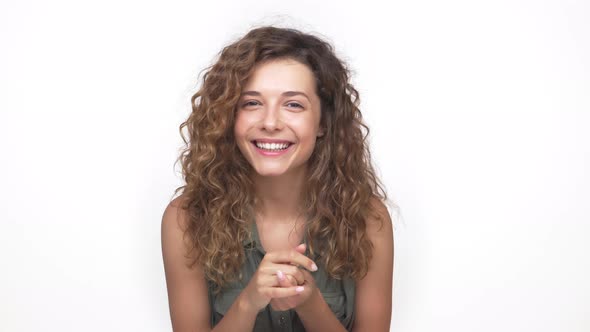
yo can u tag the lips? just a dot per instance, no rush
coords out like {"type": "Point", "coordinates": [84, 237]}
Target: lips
{"type": "Point", "coordinates": [271, 140]}
{"type": "Point", "coordinates": [272, 147]}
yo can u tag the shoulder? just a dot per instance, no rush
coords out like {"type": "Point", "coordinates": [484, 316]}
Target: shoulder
{"type": "Point", "coordinates": [374, 291]}
{"type": "Point", "coordinates": [175, 216]}
{"type": "Point", "coordinates": [379, 224]}
{"type": "Point", "coordinates": [176, 205]}
{"type": "Point", "coordinates": [186, 283]}
{"type": "Point", "coordinates": [174, 223]}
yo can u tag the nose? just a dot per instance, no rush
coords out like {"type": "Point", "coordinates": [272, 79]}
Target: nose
{"type": "Point", "coordinates": [271, 120]}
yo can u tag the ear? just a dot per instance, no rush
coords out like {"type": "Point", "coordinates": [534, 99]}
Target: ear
{"type": "Point", "coordinates": [320, 132]}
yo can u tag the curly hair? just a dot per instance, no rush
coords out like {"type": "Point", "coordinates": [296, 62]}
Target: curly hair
{"type": "Point", "coordinates": [219, 194]}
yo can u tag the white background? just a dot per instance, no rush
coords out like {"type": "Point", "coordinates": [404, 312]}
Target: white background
{"type": "Point", "coordinates": [479, 114]}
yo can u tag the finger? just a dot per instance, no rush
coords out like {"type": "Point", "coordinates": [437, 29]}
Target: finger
{"type": "Point", "coordinates": [301, 248]}
{"type": "Point", "coordinates": [292, 281]}
{"type": "Point", "coordinates": [298, 277]}
{"type": "Point", "coordinates": [292, 257]}
{"type": "Point", "coordinates": [283, 280]}
{"type": "Point", "coordinates": [308, 277]}
{"type": "Point", "coordinates": [306, 274]}
{"type": "Point", "coordinates": [268, 280]}
{"type": "Point", "coordinates": [281, 292]}
{"type": "Point", "coordinates": [290, 270]}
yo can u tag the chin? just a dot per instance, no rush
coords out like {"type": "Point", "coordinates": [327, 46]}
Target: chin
{"type": "Point", "coordinates": [270, 173]}
{"type": "Point", "coordinates": [271, 170]}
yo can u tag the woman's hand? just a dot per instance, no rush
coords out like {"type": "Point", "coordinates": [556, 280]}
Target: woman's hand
{"type": "Point", "coordinates": [303, 278]}
{"type": "Point", "coordinates": [266, 286]}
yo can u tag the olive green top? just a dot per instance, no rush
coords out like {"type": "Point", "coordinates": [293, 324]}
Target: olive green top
{"type": "Point", "coordinates": [338, 294]}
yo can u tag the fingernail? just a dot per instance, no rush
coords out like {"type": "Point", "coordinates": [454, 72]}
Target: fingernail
{"type": "Point", "coordinates": [280, 275]}
{"type": "Point", "coordinates": [299, 289]}
{"type": "Point", "coordinates": [314, 267]}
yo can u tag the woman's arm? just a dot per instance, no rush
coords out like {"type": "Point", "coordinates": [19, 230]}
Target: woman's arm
{"type": "Point", "coordinates": [317, 316]}
{"type": "Point", "coordinates": [374, 291]}
{"type": "Point", "coordinates": [187, 288]}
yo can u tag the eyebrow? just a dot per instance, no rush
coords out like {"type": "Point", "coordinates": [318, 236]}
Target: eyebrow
{"type": "Point", "coordinates": [286, 93]}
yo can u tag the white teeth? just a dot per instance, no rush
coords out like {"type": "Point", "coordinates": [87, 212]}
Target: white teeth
{"type": "Point", "coordinates": [272, 146]}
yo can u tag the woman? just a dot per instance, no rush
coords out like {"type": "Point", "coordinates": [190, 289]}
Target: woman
{"type": "Point", "coordinates": [281, 225]}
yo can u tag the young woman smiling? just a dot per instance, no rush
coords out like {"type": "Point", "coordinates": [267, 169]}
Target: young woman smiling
{"type": "Point", "coordinates": [281, 225]}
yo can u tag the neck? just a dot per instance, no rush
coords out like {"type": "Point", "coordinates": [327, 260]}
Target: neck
{"type": "Point", "coordinates": [279, 197]}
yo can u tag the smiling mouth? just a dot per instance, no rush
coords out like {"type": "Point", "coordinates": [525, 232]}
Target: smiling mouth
{"type": "Point", "coordinates": [272, 147]}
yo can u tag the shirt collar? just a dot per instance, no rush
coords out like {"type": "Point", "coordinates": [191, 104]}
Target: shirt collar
{"type": "Point", "coordinates": [253, 241]}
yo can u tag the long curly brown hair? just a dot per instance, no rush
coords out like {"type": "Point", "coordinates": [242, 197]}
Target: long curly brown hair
{"type": "Point", "coordinates": [219, 195]}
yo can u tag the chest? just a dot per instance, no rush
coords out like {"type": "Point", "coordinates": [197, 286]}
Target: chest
{"type": "Point", "coordinates": [275, 236]}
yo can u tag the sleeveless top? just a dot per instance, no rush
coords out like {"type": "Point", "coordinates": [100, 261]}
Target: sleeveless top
{"type": "Point", "coordinates": [338, 294]}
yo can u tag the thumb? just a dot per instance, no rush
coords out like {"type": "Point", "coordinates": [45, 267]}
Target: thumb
{"type": "Point", "coordinates": [301, 248]}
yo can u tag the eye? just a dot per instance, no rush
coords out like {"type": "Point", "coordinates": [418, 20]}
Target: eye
{"type": "Point", "coordinates": [250, 103]}
{"type": "Point", "coordinates": [255, 103]}
{"type": "Point", "coordinates": [297, 105]}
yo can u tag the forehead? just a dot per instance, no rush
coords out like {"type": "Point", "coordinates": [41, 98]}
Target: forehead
{"type": "Point", "coordinates": [281, 75]}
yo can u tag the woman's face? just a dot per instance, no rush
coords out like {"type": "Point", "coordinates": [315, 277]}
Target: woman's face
{"type": "Point", "coordinates": [278, 118]}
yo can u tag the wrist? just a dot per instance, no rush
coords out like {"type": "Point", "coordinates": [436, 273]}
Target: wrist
{"type": "Point", "coordinates": [245, 306]}
{"type": "Point", "coordinates": [311, 304]}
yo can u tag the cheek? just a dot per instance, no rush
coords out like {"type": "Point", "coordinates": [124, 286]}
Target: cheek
{"type": "Point", "coordinates": [242, 145]}
{"type": "Point", "coordinates": [240, 137]}
{"type": "Point", "coordinates": [308, 130]}
{"type": "Point", "coordinates": [240, 126]}
{"type": "Point", "coordinates": [308, 138]}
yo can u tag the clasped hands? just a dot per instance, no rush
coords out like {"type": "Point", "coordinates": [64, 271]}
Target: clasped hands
{"type": "Point", "coordinates": [283, 280]}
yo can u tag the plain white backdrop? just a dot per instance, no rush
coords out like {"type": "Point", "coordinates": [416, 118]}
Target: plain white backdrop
{"type": "Point", "coordinates": [480, 128]}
